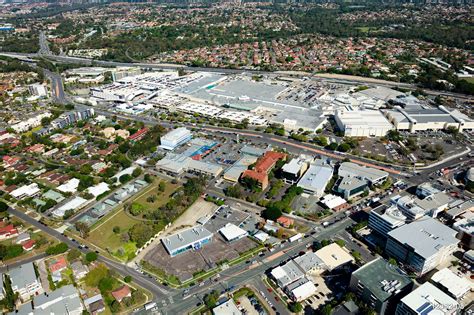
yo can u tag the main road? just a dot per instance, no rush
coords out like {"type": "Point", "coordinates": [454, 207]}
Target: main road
{"type": "Point", "coordinates": [169, 66]}
{"type": "Point", "coordinates": [153, 287]}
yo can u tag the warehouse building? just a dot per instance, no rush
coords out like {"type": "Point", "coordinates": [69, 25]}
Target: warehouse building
{"type": "Point", "coordinates": [418, 118]}
{"type": "Point", "coordinates": [362, 123]}
{"type": "Point", "coordinates": [231, 232]}
{"type": "Point", "coordinates": [175, 138]}
{"type": "Point", "coordinates": [189, 239]}
{"type": "Point", "coordinates": [380, 285]}
{"type": "Point", "coordinates": [422, 245]}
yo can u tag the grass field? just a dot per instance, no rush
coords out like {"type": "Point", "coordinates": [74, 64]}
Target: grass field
{"type": "Point", "coordinates": [102, 233]}
{"type": "Point", "coordinates": [104, 236]}
{"type": "Point", "coordinates": [160, 199]}
{"type": "Point", "coordinates": [470, 80]}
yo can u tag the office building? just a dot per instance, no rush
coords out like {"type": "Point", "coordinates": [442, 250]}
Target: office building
{"type": "Point", "coordinates": [301, 289]}
{"type": "Point", "coordinates": [422, 245]}
{"type": "Point", "coordinates": [350, 187]}
{"type": "Point", "coordinates": [316, 178]}
{"type": "Point", "coordinates": [426, 300]}
{"type": "Point", "coordinates": [385, 219]}
{"type": "Point", "coordinates": [414, 208]}
{"type": "Point", "coordinates": [178, 164]}
{"type": "Point", "coordinates": [193, 238]}
{"type": "Point", "coordinates": [334, 257]}
{"type": "Point", "coordinates": [24, 281]}
{"type": "Point", "coordinates": [292, 171]}
{"type": "Point", "coordinates": [175, 138]}
{"type": "Point", "coordinates": [380, 285]}
{"type": "Point", "coordinates": [38, 90]}
{"type": "Point", "coordinates": [372, 175]}
{"type": "Point", "coordinates": [226, 308]}
{"type": "Point", "coordinates": [263, 167]}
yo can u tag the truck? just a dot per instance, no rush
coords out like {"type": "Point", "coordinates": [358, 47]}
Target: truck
{"type": "Point", "coordinates": [326, 224]}
{"type": "Point", "coordinates": [150, 306]}
{"type": "Point", "coordinates": [295, 237]}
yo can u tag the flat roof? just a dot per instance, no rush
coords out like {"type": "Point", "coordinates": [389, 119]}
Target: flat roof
{"type": "Point", "coordinates": [227, 308]}
{"type": "Point", "coordinates": [381, 278]}
{"type": "Point", "coordinates": [185, 238]}
{"type": "Point", "coordinates": [333, 256]}
{"type": "Point", "coordinates": [454, 284]}
{"type": "Point", "coordinates": [390, 214]}
{"type": "Point", "coordinates": [368, 173]}
{"type": "Point", "coordinates": [316, 177]}
{"type": "Point", "coordinates": [426, 236]}
{"type": "Point", "coordinates": [428, 299]}
{"type": "Point", "coordinates": [287, 273]}
{"type": "Point", "coordinates": [308, 261]}
{"type": "Point", "coordinates": [176, 134]}
{"type": "Point", "coordinates": [231, 232]}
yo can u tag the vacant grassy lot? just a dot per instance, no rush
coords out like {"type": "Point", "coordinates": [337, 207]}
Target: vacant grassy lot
{"type": "Point", "coordinates": [104, 236]}
{"type": "Point", "coordinates": [102, 233]}
{"type": "Point", "coordinates": [153, 198]}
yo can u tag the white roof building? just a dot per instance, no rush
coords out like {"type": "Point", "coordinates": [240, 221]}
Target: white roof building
{"type": "Point", "coordinates": [98, 189]}
{"type": "Point", "coordinates": [451, 283]}
{"type": "Point", "coordinates": [73, 204]}
{"type": "Point", "coordinates": [25, 191]}
{"type": "Point", "coordinates": [332, 201]}
{"type": "Point", "coordinates": [333, 256]}
{"type": "Point", "coordinates": [362, 123]}
{"type": "Point", "coordinates": [427, 300]}
{"type": "Point", "coordinates": [316, 178]}
{"type": "Point", "coordinates": [175, 138]}
{"type": "Point", "coordinates": [232, 232]}
{"type": "Point", "coordinates": [227, 308]}
{"type": "Point", "coordinates": [70, 186]}
{"type": "Point", "coordinates": [301, 290]}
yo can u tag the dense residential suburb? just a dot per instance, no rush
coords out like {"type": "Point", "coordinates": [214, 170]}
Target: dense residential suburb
{"type": "Point", "coordinates": [229, 157]}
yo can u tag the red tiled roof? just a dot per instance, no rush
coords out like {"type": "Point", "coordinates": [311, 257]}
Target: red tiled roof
{"type": "Point", "coordinates": [59, 264]}
{"type": "Point", "coordinates": [285, 221]}
{"type": "Point", "coordinates": [28, 244]}
{"type": "Point", "coordinates": [268, 160]}
{"type": "Point", "coordinates": [140, 133]}
{"type": "Point", "coordinates": [121, 293]}
{"type": "Point", "coordinates": [9, 229]}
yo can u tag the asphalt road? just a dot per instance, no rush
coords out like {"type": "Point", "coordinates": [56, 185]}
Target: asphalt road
{"type": "Point", "coordinates": [142, 280]}
{"type": "Point", "coordinates": [243, 274]}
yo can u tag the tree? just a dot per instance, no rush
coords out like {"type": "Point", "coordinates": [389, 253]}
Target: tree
{"type": "Point", "coordinates": [137, 172]}
{"type": "Point", "coordinates": [210, 299]}
{"type": "Point", "coordinates": [341, 243]}
{"type": "Point", "coordinates": [57, 249]}
{"type": "Point", "coordinates": [106, 284]}
{"type": "Point", "coordinates": [94, 276]}
{"type": "Point", "coordinates": [125, 178]}
{"type": "Point", "coordinates": [127, 279]}
{"type": "Point", "coordinates": [116, 229]}
{"type": "Point", "coordinates": [3, 206]}
{"type": "Point", "coordinates": [295, 307]}
{"type": "Point", "coordinates": [73, 254]}
{"type": "Point", "coordinates": [326, 310]}
{"type": "Point", "coordinates": [162, 186]}
{"type": "Point", "coordinates": [272, 212]}
{"type": "Point", "coordinates": [148, 178]}
{"type": "Point", "coordinates": [91, 256]}
{"type": "Point", "coordinates": [83, 228]}
{"type": "Point", "coordinates": [140, 233]}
